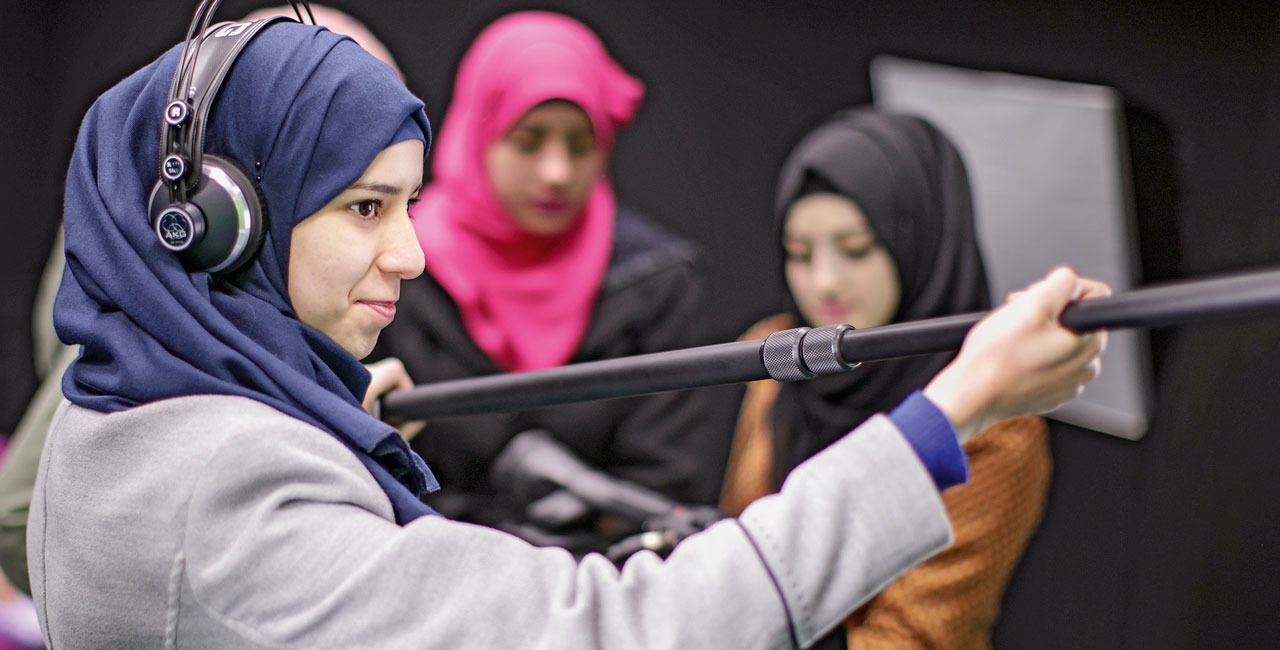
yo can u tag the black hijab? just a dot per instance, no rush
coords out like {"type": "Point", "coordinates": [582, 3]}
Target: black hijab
{"type": "Point", "coordinates": [910, 182]}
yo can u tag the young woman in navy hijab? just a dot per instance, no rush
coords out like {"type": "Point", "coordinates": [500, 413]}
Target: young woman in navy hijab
{"type": "Point", "coordinates": [213, 481]}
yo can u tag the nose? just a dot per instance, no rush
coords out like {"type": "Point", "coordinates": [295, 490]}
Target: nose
{"type": "Point", "coordinates": [554, 164]}
{"type": "Point", "coordinates": [399, 251]}
{"type": "Point", "coordinates": [825, 274]}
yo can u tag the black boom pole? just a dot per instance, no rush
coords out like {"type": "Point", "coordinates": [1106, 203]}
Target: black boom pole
{"type": "Point", "coordinates": [803, 353]}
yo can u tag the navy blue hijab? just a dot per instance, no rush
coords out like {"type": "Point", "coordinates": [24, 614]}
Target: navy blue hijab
{"type": "Point", "coordinates": [307, 111]}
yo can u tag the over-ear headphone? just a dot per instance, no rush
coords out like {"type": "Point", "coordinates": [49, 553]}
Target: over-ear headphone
{"type": "Point", "coordinates": [204, 207]}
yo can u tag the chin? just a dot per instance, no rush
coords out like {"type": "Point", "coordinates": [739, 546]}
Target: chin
{"type": "Point", "coordinates": [546, 225]}
{"type": "Point", "coordinates": [828, 321]}
{"type": "Point", "coordinates": [363, 351]}
{"type": "Point", "coordinates": [359, 347]}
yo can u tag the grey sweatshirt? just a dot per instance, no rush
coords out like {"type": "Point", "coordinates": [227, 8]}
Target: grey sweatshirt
{"type": "Point", "coordinates": [218, 522]}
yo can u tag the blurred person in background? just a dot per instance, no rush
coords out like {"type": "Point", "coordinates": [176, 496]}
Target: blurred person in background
{"type": "Point", "coordinates": [533, 262]}
{"type": "Point", "coordinates": [875, 224]}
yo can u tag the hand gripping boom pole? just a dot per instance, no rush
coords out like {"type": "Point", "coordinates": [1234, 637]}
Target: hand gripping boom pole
{"type": "Point", "coordinates": [803, 353]}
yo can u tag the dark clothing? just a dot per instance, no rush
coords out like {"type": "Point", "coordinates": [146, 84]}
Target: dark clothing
{"type": "Point", "coordinates": [649, 301]}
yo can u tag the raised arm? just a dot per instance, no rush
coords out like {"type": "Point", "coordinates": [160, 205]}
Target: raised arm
{"type": "Point", "coordinates": [289, 541]}
{"type": "Point", "coordinates": [1020, 359]}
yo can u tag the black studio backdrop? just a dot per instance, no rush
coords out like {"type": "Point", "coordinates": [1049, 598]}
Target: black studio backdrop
{"type": "Point", "coordinates": [1169, 542]}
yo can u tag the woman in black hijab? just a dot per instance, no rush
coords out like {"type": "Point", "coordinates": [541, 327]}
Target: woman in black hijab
{"type": "Point", "coordinates": [875, 222]}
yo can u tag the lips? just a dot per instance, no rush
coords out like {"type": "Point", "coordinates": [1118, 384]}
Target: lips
{"type": "Point", "coordinates": [833, 311]}
{"type": "Point", "coordinates": [383, 308]}
{"type": "Point", "coordinates": [551, 205]}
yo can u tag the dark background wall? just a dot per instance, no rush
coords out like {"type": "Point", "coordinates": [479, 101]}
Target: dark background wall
{"type": "Point", "coordinates": [1169, 542]}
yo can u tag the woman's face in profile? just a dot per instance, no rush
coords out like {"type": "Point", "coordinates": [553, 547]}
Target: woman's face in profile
{"type": "Point", "coordinates": [837, 270]}
{"type": "Point", "coordinates": [544, 166]}
{"type": "Point", "coordinates": [346, 261]}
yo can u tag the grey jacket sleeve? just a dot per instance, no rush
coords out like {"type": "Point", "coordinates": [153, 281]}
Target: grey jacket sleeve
{"type": "Point", "coordinates": [288, 543]}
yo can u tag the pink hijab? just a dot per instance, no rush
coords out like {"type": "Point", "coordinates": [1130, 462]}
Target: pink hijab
{"type": "Point", "coordinates": [525, 299]}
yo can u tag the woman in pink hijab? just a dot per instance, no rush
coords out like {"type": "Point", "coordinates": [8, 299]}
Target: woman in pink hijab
{"type": "Point", "coordinates": [531, 264]}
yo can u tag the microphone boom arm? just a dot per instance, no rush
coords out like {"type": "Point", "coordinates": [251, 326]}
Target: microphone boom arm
{"type": "Point", "coordinates": [803, 353]}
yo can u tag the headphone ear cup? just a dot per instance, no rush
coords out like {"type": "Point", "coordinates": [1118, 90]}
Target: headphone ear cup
{"type": "Point", "coordinates": [231, 213]}
{"type": "Point", "coordinates": [257, 212]}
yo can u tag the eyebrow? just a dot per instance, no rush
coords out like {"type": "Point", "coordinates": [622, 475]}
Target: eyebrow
{"type": "Point", "coordinates": [853, 233]}
{"type": "Point", "coordinates": [542, 131]}
{"type": "Point", "coordinates": [381, 188]}
{"type": "Point", "coordinates": [839, 235]}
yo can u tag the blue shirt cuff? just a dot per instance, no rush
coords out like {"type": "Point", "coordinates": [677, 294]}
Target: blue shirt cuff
{"type": "Point", "coordinates": [933, 438]}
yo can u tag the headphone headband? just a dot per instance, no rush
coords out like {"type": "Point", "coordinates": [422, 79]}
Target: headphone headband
{"type": "Point", "coordinates": [214, 215]}
{"type": "Point", "coordinates": [187, 113]}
